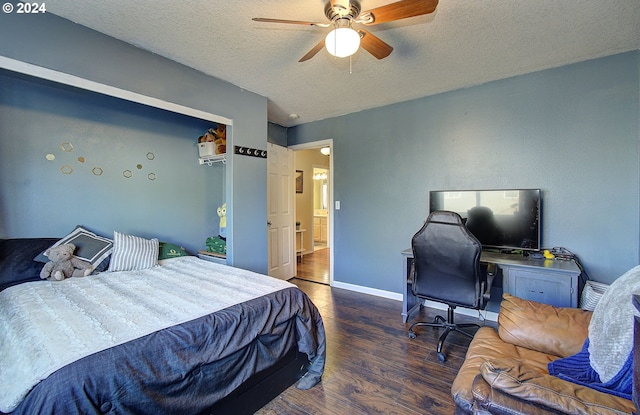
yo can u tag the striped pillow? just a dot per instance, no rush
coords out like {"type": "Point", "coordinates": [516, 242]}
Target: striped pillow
{"type": "Point", "coordinates": [132, 253]}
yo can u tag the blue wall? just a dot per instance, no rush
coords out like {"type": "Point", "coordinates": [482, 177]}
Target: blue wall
{"type": "Point", "coordinates": [111, 136]}
{"type": "Point", "coordinates": [571, 131]}
{"type": "Point", "coordinates": [277, 134]}
{"type": "Point", "coordinates": [182, 189]}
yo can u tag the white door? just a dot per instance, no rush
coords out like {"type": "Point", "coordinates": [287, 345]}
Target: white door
{"type": "Point", "coordinates": [280, 215]}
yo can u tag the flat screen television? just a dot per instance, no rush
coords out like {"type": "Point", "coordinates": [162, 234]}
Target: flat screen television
{"type": "Point", "coordinates": [503, 219]}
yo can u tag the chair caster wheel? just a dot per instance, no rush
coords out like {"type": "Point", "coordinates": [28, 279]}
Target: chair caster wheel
{"type": "Point", "coordinates": [441, 357]}
{"type": "Point", "coordinates": [412, 335]}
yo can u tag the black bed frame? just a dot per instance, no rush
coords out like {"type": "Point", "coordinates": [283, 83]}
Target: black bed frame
{"type": "Point", "coordinates": [262, 387]}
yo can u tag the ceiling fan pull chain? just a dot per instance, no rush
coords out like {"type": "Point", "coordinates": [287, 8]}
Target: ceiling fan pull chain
{"type": "Point", "coordinates": [335, 40]}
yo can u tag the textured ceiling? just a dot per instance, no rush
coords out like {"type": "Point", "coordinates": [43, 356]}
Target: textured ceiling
{"type": "Point", "coordinates": [463, 43]}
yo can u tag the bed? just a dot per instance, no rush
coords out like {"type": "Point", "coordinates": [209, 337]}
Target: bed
{"type": "Point", "coordinates": [185, 336]}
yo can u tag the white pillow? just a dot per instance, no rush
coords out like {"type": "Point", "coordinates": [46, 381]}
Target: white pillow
{"type": "Point", "coordinates": [611, 326]}
{"type": "Point", "coordinates": [132, 253]}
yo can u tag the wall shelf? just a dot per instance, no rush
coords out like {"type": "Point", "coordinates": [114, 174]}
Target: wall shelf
{"type": "Point", "coordinates": [210, 160]}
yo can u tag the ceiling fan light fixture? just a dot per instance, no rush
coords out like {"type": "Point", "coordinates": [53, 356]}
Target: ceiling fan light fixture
{"type": "Point", "coordinates": [342, 42]}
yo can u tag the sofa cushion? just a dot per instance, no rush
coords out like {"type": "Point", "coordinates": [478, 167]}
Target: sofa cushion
{"type": "Point", "coordinates": [515, 378]}
{"type": "Point", "coordinates": [487, 345]}
{"type": "Point", "coordinates": [611, 328]}
{"type": "Point", "coordinates": [551, 330]}
{"type": "Point", "coordinates": [488, 400]}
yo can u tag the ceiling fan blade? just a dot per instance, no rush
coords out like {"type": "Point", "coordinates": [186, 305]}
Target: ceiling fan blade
{"type": "Point", "coordinates": [317, 48]}
{"type": "Point", "coordinates": [374, 45]}
{"type": "Point", "coordinates": [396, 11]}
{"type": "Point", "coordinates": [300, 22]}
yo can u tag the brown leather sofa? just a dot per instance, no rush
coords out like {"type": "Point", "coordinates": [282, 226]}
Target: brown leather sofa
{"type": "Point", "coordinates": [505, 371]}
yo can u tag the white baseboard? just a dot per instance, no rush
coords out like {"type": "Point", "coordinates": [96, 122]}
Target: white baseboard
{"type": "Point", "coordinates": [367, 290]}
{"type": "Point", "coordinates": [482, 315]}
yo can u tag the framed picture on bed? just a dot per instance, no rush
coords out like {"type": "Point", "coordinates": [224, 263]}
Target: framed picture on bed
{"type": "Point", "coordinates": [299, 176]}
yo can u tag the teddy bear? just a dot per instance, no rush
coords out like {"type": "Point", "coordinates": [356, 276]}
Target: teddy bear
{"type": "Point", "coordinates": [220, 134]}
{"type": "Point", "coordinates": [62, 264]}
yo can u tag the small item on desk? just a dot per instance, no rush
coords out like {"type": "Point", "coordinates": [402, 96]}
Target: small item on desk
{"type": "Point", "coordinates": [548, 255]}
{"type": "Point", "coordinates": [563, 253]}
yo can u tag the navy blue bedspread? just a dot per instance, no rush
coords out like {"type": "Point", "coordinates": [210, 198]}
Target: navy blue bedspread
{"type": "Point", "coordinates": [183, 369]}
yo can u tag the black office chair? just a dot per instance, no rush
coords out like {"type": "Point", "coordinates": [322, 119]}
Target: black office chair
{"type": "Point", "coordinates": [446, 268]}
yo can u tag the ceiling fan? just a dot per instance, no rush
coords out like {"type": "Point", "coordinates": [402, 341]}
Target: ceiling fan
{"type": "Point", "coordinates": [343, 40]}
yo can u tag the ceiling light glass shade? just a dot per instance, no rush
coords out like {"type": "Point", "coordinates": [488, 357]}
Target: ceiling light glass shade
{"type": "Point", "coordinates": [325, 150]}
{"type": "Point", "coordinates": [342, 42]}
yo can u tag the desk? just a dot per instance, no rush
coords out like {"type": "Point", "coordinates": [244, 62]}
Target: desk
{"type": "Point", "coordinates": [546, 281]}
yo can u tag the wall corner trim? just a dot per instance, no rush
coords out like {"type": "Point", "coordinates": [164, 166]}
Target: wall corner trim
{"type": "Point", "coordinates": [75, 81]}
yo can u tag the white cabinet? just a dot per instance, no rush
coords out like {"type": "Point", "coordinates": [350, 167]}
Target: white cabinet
{"type": "Point", "coordinates": [320, 228]}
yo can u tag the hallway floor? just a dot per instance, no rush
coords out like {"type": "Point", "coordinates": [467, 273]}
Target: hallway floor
{"type": "Point", "coordinates": [315, 267]}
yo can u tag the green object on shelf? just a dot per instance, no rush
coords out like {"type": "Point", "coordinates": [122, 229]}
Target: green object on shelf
{"type": "Point", "coordinates": [216, 244]}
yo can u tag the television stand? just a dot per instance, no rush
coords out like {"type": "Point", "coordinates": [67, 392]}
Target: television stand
{"type": "Point", "coordinates": [546, 281]}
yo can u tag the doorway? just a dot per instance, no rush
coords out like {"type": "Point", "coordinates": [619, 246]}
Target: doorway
{"type": "Point", "coordinates": [314, 211]}
{"type": "Point", "coordinates": [320, 208]}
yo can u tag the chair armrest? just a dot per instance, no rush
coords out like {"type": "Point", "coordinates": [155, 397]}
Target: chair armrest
{"type": "Point", "coordinates": [542, 327]}
{"type": "Point", "coordinates": [412, 271]}
{"type": "Point", "coordinates": [491, 274]}
{"type": "Point", "coordinates": [513, 378]}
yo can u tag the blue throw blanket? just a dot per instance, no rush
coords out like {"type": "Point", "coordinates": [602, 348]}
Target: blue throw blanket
{"type": "Point", "coordinates": [577, 369]}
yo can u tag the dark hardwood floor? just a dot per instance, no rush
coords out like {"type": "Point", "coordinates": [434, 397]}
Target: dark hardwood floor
{"type": "Point", "coordinates": [372, 365]}
{"type": "Point", "coordinates": [315, 266]}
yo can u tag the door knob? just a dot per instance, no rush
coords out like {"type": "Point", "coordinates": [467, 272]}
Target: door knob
{"type": "Point", "coordinates": [268, 223]}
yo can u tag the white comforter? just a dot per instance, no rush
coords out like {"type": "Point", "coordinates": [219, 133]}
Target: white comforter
{"type": "Point", "coordinates": [47, 325]}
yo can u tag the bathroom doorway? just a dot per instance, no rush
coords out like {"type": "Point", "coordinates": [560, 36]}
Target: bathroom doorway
{"type": "Point", "coordinates": [314, 211]}
{"type": "Point", "coordinates": [320, 208]}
